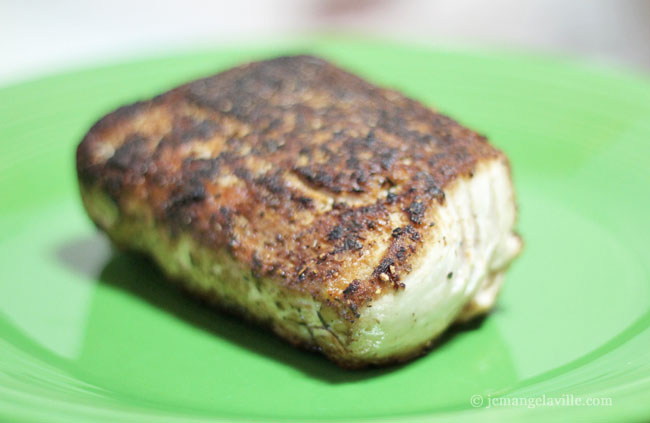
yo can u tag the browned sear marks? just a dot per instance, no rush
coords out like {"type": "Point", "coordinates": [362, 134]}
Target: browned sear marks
{"type": "Point", "coordinates": [294, 166]}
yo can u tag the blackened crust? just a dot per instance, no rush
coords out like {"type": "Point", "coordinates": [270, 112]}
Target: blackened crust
{"type": "Point", "coordinates": [294, 166]}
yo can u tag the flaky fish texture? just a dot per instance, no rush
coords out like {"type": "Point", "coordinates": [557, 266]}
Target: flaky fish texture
{"type": "Point", "coordinates": [346, 217]}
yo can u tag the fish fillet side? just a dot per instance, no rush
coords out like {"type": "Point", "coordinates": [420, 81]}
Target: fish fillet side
{"type": "Point", "coordinates": [346, 217]}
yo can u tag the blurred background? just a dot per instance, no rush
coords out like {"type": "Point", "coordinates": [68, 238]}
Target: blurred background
{"type": "Point", "coordinates": [43, 36]}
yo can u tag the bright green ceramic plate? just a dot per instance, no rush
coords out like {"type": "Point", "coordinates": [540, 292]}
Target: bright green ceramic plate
{"type": "Point", "coordinates": [88, 334]}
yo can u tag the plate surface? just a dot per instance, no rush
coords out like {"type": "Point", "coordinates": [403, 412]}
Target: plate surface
{"type": "Point", "coordinates": [90, 334]}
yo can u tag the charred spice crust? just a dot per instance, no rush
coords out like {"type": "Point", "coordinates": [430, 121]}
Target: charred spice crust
{"type": "Point", "coordinates": [359, 153]}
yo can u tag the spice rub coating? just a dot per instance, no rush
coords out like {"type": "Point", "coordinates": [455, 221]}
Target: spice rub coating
{"type": "Point", "coordinates": [302, 172]}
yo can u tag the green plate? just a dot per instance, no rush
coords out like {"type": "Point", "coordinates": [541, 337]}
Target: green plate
{"type": "Point", "coordinates": [89, 334]}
